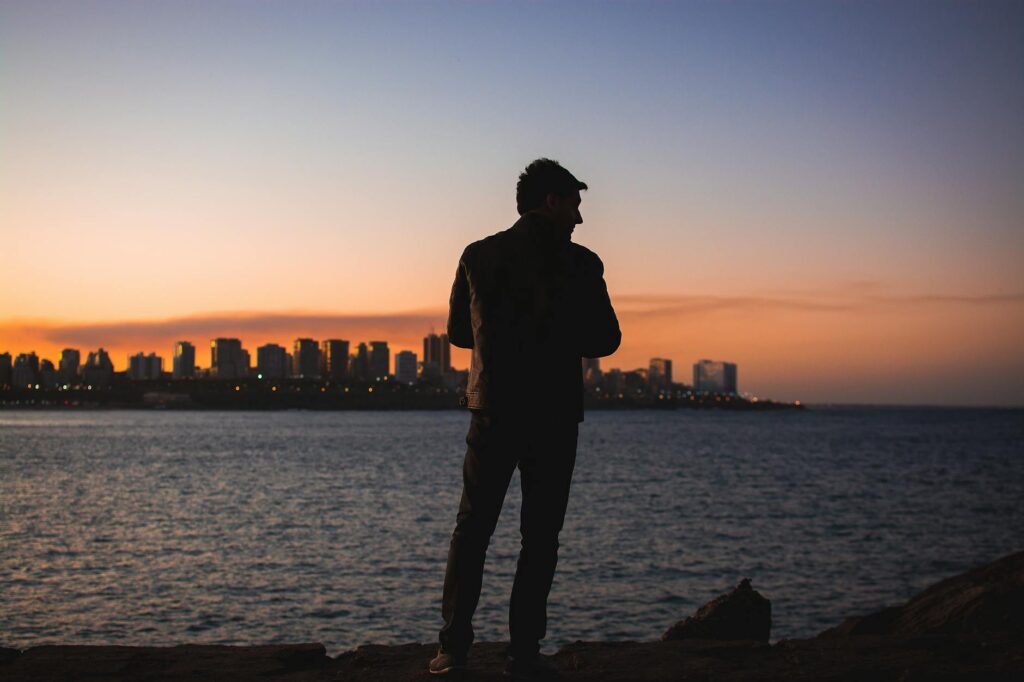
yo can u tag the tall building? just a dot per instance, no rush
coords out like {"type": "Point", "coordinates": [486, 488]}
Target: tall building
{"type": "Point", "coordinates": [25, 372]}
{"type": "Point", "coordinates": [48, 377]}
{"type": "Point", "coordinates": [154, 367]}
{"type": "Point", "coordinates": [6, 365]}
{"type": "Point", "coordinates": [591, 371]}
{"type": "Point", "coordinates": [334, 359]}
{"type": "Point", "coordinates": [613, 381]}
{"type": "Point", "coordinates": [405, 367]}
{"type": "Point", "coordinates": [184, 366]}
{"type": "Point", "coordinates": [137, 367]}
{"type": "Point", "coordinates": [380, 361]}
{"type": "Point", "coordinates": [714, 377]}
{"type": "Point", "coordinates": [228, 360]}
{"type": "Point", "coordinates": [142, 367]}
{"type": "Point", "coordinates": [660, 374]}
{"type": "Point", "coordinates": [306, 359]}
{"type": "Point", "coordinates": [437, 355]}
{"type": "Point", "coordinates": [272, 361]}
{"type": "Point", "coordinates": [359, 367]}
{"type": "Point", "coordinates": [636, 382]}
{"type": "Point", "coordinates": [98, 370]}
{"type": "Point", "coordinates": [70, 359]}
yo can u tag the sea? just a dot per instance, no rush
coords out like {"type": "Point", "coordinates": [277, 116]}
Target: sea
{"type": "Point", "coordinates": [170, 527]}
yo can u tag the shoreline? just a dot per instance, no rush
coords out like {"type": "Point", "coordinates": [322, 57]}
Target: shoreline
{"type": "Point", "coordinates": [967, 627]}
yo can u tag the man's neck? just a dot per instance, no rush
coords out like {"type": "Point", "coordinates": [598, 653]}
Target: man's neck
{"type": "Point", "coordinates": [544, 227]}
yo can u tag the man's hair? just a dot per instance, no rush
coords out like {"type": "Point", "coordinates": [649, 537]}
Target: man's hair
{"type": "Point", "coordinates": [543, 177]}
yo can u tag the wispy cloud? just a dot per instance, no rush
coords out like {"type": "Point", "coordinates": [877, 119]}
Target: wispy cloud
{"type": "Point", "coordinates": [651, 305]}
{"type": "Point", "coordinates": [401, 327]}
{"type": "Point", "coordinates": [409, 326]}
{"type": "Point", "coordinates": [982, 299]}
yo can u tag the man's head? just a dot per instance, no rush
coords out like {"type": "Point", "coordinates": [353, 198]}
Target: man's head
{"type": "Point", "coordinates": [547, 188]}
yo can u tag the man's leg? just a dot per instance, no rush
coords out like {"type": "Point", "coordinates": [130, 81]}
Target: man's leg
{"type": "Point", "coordinates": [546, 475]}
{"type": "Point", "coordinates": [486, 472]}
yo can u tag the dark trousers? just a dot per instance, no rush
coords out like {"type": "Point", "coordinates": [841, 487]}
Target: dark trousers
{"type": "Point", "coordinates": [545, 452]}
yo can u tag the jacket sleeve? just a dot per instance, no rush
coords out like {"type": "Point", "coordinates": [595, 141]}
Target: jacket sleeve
{"type": "Point", "coordinates": [460, 328]}
{"type": "Point", "coordinates": [600, 333]}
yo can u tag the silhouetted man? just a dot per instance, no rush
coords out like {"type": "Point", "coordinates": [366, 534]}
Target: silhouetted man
{"type": "Point", "coordinates": [530, 304]}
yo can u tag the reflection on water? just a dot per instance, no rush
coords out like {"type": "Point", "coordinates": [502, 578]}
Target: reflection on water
{"type": "Point", "coordinates": [163, 528]}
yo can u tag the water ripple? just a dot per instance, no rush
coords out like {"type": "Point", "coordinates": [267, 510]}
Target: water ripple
{"type": "Point", "coordinates": [247, 528]}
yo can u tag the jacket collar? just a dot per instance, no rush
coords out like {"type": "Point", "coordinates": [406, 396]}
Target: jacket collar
{"type": "Point", "coordinates": [538, 229]}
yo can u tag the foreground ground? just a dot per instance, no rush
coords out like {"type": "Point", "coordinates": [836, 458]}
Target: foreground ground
{"type": "Point", "coordinates": [969, 627]}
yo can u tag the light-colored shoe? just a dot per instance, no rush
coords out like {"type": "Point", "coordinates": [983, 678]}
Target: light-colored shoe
{"type": "Point", "coordinates": [447, 664]}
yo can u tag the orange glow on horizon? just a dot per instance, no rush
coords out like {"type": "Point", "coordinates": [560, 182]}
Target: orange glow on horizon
{"type": "Point", "coordinates": [866, 349]}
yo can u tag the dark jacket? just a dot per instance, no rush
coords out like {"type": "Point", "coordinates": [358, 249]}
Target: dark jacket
{"type": "Point", "coordinates": [530, 304]}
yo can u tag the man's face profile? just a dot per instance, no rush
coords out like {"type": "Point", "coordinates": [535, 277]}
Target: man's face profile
{"type": "Point", "coordinates": [564, 211]}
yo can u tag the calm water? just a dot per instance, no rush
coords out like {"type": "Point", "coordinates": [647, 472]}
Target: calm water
{"type": "Point", "coordinates": [164, 528]}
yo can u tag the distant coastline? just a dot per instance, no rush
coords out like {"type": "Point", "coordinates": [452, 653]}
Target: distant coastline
{"type": "Point", "coordinates": [253, 394]}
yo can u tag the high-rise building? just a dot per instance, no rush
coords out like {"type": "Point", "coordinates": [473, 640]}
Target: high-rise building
{"type": "Point", "coordinates": [137, 367]}
{"type": "Point", "coordinates": [306, 359]}
{"type": "Point", "coordinates": [154, 367]}
{"type": "Point", "coordinates": [142, 367]}
{"type": "Point", "coordinates": [70, 359]}
{"type": "Point", "coordinates": [334, 359]}
{"type": "Point", "coordinates": [272, 361]}
{"type": "Point", "coordinates": [359, 365]}
{"type": "Point", "coordinates": [636, 382]}
{"type": "Point", "coordinates": [98, 370]}
{"type": "Point", "coordinates": [437, 354]}
{"type": "Point", "coordinates": [228, 360]}
{"type": "Point", "coordinates": [48, 377]}
{"type": "Point", "coordinates": [714, 377]}
{"type": "Point", "coordinates": [613, 381]}
{"type": "Point", "coordinates": [660, 374]}
{"type": "Point", "coordinates": [591, 371]}
{"type": "Point", "coordinates": [184, 366]}
{"type": "Point", "coordinates": [30, 359]}
{"type": "Point", "coordinates": [405, 367]}
{"type": "Point", "coordinates": [6, 365]}
{"type": "Point", "coordinates": [380, 361]}
{"type": "Point", "coordinates": [25, 372]}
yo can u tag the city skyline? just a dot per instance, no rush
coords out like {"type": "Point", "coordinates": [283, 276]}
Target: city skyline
{"type": "Point", "coordinates": [327, 364]}
{"type": "Point", "coordinates": [825, 193]}
{"type": "Point", "coordinates": [149, 363]}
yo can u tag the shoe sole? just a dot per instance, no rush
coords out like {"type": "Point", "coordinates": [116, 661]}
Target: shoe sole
{"type": "Point", "coordinates": [450, 670]}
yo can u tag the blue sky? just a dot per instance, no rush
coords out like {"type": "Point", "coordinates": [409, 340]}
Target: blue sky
{"type": "Point", "coordinates": [352, 149]}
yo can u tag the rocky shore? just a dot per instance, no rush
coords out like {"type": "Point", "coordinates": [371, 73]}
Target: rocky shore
{"type": "Point", "coordinates": [968, 627]}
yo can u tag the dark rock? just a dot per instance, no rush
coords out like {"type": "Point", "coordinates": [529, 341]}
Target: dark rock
{"type": "Point", "coordinates": [8, 655]}
{"type": "Point", "coordinates": [987, 599]}
{"type": "Point", "coordinates": [743, 614]}
{"type": "Point", "coordinates": [183, 662]}
{"type": "Point", "coordinates": [300, 656]}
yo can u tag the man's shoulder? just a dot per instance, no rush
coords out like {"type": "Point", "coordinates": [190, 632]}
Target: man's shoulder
{"type": "Point", "coordinates": [488, 244]}
{"type": "Point", "coordinates": [583, 253]}
{"type": "Point", "coordinates": [586, 257]}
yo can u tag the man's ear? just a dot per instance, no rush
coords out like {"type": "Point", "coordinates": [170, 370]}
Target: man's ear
{"type": "Point", "coordinates": [551, 201]}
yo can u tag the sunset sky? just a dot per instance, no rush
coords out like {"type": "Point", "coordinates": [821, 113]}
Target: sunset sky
{"type": "Point", "coordinates": [830, 195]}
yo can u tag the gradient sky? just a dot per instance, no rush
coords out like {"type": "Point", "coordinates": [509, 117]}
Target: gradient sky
{"type": "Point", "coordinates": [829, 194]}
